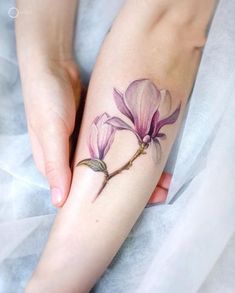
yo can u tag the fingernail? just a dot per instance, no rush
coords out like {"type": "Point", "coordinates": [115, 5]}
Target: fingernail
{"type": "Point", "coordinates": [56, 196]}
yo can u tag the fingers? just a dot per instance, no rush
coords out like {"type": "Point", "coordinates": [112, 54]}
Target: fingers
{"type": "Point", "coordinates": [165, 180]}
{"type": "Point", "coordinates": [160, 193]}
{"type": "Point", "coordinates": [50, 146]}
{"type": "Point", "coordinates": [55, 144]}
{"type": "Point", "coordinates": [51, 95]}
{"type": "Point", "coordinates": [158, 196]}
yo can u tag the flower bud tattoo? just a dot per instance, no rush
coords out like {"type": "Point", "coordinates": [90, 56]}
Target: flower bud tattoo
{"type": "Point", "coordinates": [147, 108]}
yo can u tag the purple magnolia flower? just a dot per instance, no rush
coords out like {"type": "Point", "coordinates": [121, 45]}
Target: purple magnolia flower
{"type": "Point", "coordinates": [101, 137]}
{"type": "Point", "coordinates": [143, 103]}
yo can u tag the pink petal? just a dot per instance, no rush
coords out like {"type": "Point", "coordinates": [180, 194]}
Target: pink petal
{"type": "Point", "coordinates": [142, 99]}
{"type": "Point", "coordinates": [105, 133]}
{"type": "Point", "coordinates": [109, 143]}
{"type": "Point", "coordinates": [118, 97]}
{"type": "Point", "coordinates": [100, 120]}
{"type": "Point", "coordinates": [101, 137]}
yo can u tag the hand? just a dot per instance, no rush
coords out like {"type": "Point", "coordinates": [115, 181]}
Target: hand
{"type": "Point", "coordinates": [51, 99]}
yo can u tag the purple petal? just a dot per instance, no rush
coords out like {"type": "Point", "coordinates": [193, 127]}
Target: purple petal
{"type": "Point", "coordinates": [109, 143]}
{"type": "Point", "coordinates": [118, 97]}
{"type": "Point", "coordinates": [142, 99]}
{"type": "Point", "coordinates": [93, 141]}
{"type": "Point", "coordinates": [100, 120]}
{"type": "Point", "coordinates": [119, 124]}
{"type": "Point", "coordinates": [105, 135]}
{"type": "Point", "coordinates": [101, 137]}
{"type": "Point", "coordinates": [154, 123]}
{"type": "Point", "coordinates": [168, 120]}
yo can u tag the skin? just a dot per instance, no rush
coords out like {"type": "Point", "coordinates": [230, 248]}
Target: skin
{"type": "Point", "coordinates": [51, 88]}
{"type": "Point", "coordinates": [159, 40]}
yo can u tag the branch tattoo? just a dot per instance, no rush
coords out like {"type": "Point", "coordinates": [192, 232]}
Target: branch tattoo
{"type": "Point", "coordinates": [141, 104]}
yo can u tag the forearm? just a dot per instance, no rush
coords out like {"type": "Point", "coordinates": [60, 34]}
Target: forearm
{"type": "Point", "coordinates": [102, 208]}
{"type": "Point", "coordinates": [162, 56]}
{"type": "Point", "coordinates": [44, 30]}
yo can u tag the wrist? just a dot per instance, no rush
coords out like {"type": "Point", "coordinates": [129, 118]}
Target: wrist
{"type": "Point", "coordinates": [39, 55]}
{"type": "Point", "coordinates": [44, 63]}
{"type": "Point", "coordinates": [45, 31]}
{"type": "Point", "coordinates": [187, 20]}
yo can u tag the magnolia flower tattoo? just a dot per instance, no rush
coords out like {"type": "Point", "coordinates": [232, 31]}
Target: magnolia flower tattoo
{"type": "Point", "coordinates": [147, 108]}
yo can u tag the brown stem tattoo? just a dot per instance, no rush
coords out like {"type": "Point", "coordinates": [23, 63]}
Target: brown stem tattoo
{"type": "Point", "coordinates": [127, 166]}
{"type": "Point", "coordinates": [139, 152]}
{"type": "Point", "coordinates": [141, 103]}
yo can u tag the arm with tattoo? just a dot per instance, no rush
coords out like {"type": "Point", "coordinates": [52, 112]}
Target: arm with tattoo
{"type": "Point", "coordinates": [135, 103]}
{"type": "Point", "coordinates": [141, 104]}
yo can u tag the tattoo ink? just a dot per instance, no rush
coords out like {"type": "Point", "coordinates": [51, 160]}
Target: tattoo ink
{"type": "Point", "coordinates": [141, 103]}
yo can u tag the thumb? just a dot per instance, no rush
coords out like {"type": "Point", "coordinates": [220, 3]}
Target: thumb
{"type": "Point", "coordinates": [55, 145]}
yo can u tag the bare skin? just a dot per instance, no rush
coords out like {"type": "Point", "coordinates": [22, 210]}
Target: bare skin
{"type": "Point", "coordinates": [163, 42]}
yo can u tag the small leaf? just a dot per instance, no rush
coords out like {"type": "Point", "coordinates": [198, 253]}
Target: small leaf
{"type": "Point", "coordinates": [95, 164]}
